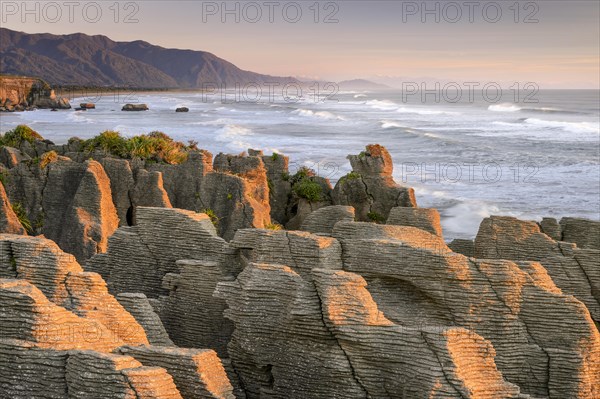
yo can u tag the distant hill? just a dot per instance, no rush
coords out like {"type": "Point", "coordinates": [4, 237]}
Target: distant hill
{"type": "Point", "coordinates": [361, 84]}
{"type": "Point", "coordinates": [83, 60]}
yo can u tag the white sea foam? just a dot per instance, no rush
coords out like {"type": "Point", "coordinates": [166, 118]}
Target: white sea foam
{"type": "Point", "coordinates": [359, 95]}
{"type": "Point", "coordinates": [575, 127]}
{"type": "Point", "coordinates": [504, 107]}
{"type": "Point", "coordinates": [404, 110]}
{"type": "Point", "coordinates": [316, 114]}
{"type": "Point", "coordinates": [390, 124]}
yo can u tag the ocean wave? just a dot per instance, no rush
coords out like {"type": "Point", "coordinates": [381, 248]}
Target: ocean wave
{"type": "Point", "coordinates": [359, 95]}
{"type": "Point", "coordinates": [77, 116]}
{"type": "Point", "coordinates": [316, 114]}
{"type": "Point", "coordinates": [404, 110]}
{"type": "Point", "coordinates": [504, 107]}
{"type": "Point", "coordinates": [390, 124]}
{"type": "Point", "coordinates": [575, 127]}
{"type": "Point", "coordinates": [231, 135]}
{"type": "Point", "coordinates": [384, 105]}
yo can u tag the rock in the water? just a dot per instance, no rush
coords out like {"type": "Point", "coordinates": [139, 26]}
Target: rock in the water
{"type": "Point", "coordinates": [182, 109]}
{"type": "Point", "coordinates": [422, 218]}
{"type": "Point", "coordinates": [323, 219]}
{"type": "Point", "coordinates": [370, 188]}
{"type": "Point", "coordinates": [135, 107]}
{"type": "Point", "coordinates": [87, 105]}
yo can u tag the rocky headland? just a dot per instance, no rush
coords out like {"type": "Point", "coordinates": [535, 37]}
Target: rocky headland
{"type": "Point", "coordinates": [147, 268]}
{"type": "Point", "coordinates": [19, 93]}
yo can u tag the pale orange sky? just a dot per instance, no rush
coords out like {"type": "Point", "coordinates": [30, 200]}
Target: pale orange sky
{"type": "Point", "coordinates": [380, 40]}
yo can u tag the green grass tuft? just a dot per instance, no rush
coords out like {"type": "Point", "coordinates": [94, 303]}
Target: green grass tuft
{"type": "Point", "coordinates": [212, 215]}
{"type": "Point", "coordinates": [18, 209]}
{"type": "Point", "coordinates": [376, 217]}
{"type": "Point", "coordinates": [308, 189]}
{"type": "Point", "coordinates": [16, 136]}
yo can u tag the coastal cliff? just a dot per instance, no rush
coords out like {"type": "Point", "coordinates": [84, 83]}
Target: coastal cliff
{"type": "Point", "coordinates": [19, 93]}
{"type": "Point", "coordinates": [225, 277]}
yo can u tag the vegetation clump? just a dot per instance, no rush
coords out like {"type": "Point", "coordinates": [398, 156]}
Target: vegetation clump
{"type": "Point", "coordinates": [16, 136]}
{"type": "Point", "coordinates": [309, 189]}
{"type": "Point", "coordinates": [18, 209]}
{"type": "Point", "coordinates": [350, 176]}
{"type": "Point", "coordinates": [212, 215]}
{"type": "Point", "coordinates": [273, 226]}
{"type": "Point", "coordinates": [47, 158]}
{"type": "Point", "coordinates": [376, 217]}
{"type": "Point", "coordinates": [154, 147]}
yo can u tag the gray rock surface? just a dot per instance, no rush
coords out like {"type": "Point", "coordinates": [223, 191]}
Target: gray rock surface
{"type": "Point", "coordinates": [140, 308]}
{"type": "Point", "coordinates": [370, 188]}
{"type": "Point", "coordinates": [423, 218]}
{"type": "Point", "coordinates": [323, 219]}
{"type": "Point", "coordinates": [198, 373]}
{"type": "Point", "coordinates": [545, 341]}
{"type": "Point", "coordinates": [9, 223]}
{"type": "Point", "coordinates": [575, 270]}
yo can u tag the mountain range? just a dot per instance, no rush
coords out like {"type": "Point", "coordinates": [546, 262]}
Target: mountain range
{"type": "Point", "coordinates": [82, 60]}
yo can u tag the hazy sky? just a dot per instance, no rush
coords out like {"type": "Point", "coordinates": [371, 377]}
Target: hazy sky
{"type": "Point", "coordinates": [554, 43]}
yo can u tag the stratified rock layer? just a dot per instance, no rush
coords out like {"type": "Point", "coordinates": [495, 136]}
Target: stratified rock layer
{"type": "Point", "coordinates": [575, 270]}
{"type": "Point", "coordinates": [371, 189]}
{"type": "Point", "coordinates": [422, 218]}
{"type": "Point", "coordinates": [9, 223]}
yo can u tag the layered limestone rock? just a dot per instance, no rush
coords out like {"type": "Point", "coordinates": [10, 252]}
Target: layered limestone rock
{"type": "Point", "coordinates": [9, 222]}
{"type": "Point", "coordinates": [370, 188]}
{"type": "Point", "coordinates": [198, 374]}
{"type": "Point", "coordinates": [585, 233]}
{"type": "Point", "coordinates": [428, 362]}
{"type": "Point", "coordinates": [330, 342]}
{"type": "Point", "coordinates": [78, 208]}
{"type": "Point", "coordinates": [18, 93]}
{"type": "Point", "coordinates": [322, 220]}
{"type": "Point", "coordinates": [135, 187]}
{"type": "Point", "coordinates": [140, 308]}
{"type": "Point", "coordinates": [62, 281]}
{"type": "Point", "coordinates": [68, 202]}
{"type": "Point", "coordinates": [575, 270]}
{"type": "Point", "coordinates": [422, 218]}
{"type": "Point", "coordinates": [545, 341]}
{"type": "Point", "coordinates": [462, 246]}
{"type": "Point", "coordinates": [177, 263]}
{"type": "Point", "coordinates": [280, 188]}
{"type": "Point", "coordinates": [58, 326]}
{"type": "Point", "coordinates": [96, 375]}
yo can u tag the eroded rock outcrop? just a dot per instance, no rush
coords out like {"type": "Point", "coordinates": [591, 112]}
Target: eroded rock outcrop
{"type": "Point", "coordinates": [370, 188]}
{"type": "Point", "coordinates": [416, 280]}
{"type": "Point", "coordinates": [422, 218]}
{"type": "Point", "coordinates": [324, 219]}
{"type": "Point", "coordinates": [198, 374]}
{"type": "Point", "coordinates": [59, 325]}
{"type": "Point", "coordinates": [575, 270]}
{"type": "Point", "coordinates": [9, 223]}
{"type": "Point", "coordinates": [177, 263]}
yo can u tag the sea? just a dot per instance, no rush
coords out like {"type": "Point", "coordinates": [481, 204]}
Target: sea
{"type": "Point", "coordinates": [528, 154]}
